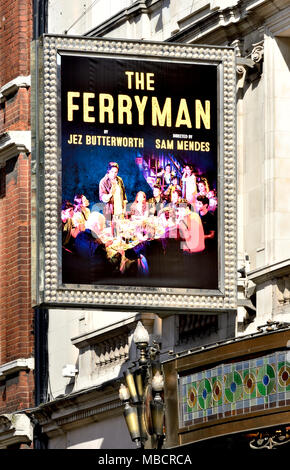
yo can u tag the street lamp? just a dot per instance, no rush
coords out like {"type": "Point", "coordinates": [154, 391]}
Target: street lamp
{"type": "Point", "coordinates": [130, 413]}
{"type": "Point", "coordinates": [141, 339]}
{"type": "Point", "coordinates": [142, 395]}
{"type": "Point", "coordinates": [157, 407]}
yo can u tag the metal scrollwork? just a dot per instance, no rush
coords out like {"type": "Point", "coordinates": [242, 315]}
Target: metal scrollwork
{"type": "Point", "coordinates": [269, 440]}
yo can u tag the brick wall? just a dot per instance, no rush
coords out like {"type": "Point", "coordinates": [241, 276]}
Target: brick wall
{"type": "Point", "coordinates": [16, 314]}
{"type": "Point", "coordinates": [16, 392]}
{"type": "Point", "coordinates": [16, 27]}
{"type": "Point", "coordinates": [15, 111]}
{"type": "Point", "coordinates": [15, 38]}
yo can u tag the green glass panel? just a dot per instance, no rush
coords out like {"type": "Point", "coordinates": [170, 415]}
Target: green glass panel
{"type": "Point", "coordinates": [266, 380]}
{"type": "Point", "coordinates": [229, 395]}
{"type": "Point", "coordinates": [234, 386]}
{"type": "Point", "coordinates": [205, 394]}
{"type": "Point", "coordinates": [208, 391]}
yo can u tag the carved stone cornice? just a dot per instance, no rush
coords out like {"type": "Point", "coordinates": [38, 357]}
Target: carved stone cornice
{"type": "Point", "coordinates": [95, 337]}
{"type": "Point", "coordinates": [225, 24]}
{"type": "Point", "coordinates": [79, 408]}
{"type": "Point", "coordinates": [217, 21]}
{"type": "Point", "coordinates": [139, 7]}
{"type": "Point", "coordinates": [269, 272]}
{"type": "Point", "coordinates": [243, 65]}
{"type": "Point", "coordinates": [108, 349]}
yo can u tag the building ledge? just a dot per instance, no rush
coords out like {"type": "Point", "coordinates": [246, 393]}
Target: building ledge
{"type": "Point", "coordinates": [238, 18]}
{"type": "Point", "coordinates": [13, 86]}
{"type": "Point", "coordinates": [138, 8]}
{"type": "Point", "coordinates": [12, 143]}
{"type": "Point", "coordinates": [74, 410]}
{"type": "Point", "coordinates": [270, 271]}
{"type": "Point", "coordinates": [249, 343]}
{"type": "Point", "coordinates": [96, 336]}
{"type": "Point", "coordinates": [15, 428]}
{"type": "Point", "coordinates": [15, 366]}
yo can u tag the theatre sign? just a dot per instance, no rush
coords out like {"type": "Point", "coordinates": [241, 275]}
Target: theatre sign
{"type": "Point", "coordinates": [137, 194]}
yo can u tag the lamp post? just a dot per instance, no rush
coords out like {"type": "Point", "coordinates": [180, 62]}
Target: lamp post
{"type": "Point", "coordinates": [157, 407]}
{"type": "Point", "coordinates": [142, 395]}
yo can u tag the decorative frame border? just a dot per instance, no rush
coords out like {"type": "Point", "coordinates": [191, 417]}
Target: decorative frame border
{"type": "Point", "coordinates": [49, 290]}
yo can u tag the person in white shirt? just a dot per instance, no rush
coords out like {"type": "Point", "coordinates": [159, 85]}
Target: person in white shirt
{"type": "Point", "coordinates": [189, 189]}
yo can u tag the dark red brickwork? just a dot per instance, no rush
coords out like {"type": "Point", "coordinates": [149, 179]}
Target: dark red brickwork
{"type": "Point", "coordinates": [16, 392]}
{"type": "Point", "coordinates": [15, 37]}
{"type": "Point", "coordinates": [15, 111]}
{"type": "Point", "coordinates": [16, 314]}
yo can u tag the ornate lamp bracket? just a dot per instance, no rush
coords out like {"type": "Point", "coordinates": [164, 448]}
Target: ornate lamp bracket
{"type": "Point", "coordinates": [257, 53]}
{"type": "Point", "coordinates": [250, 65]}
{"type": "Point", "coordinates": [143, 393]}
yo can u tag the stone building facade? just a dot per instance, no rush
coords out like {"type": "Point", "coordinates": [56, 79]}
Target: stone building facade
{"type": "Point", "coordinates": [82, 352]}
{"type": "Point", "coordinates": [97, 344]}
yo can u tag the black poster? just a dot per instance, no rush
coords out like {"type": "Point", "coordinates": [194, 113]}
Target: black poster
{"type": "Point", "coordinates": [139, 146]}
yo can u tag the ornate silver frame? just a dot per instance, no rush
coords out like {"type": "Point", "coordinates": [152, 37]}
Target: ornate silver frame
{"type": "Point", "coordinates": [48, 157]}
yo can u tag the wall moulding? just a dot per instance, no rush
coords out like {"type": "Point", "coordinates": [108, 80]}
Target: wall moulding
{"type": "Point", "coordinates": [79, 408]}
{"type": "Point", "coordinates": [15, 428]}
{"type": "Point", "coordinates": [12, 143]}
{"type": "Point", "coordinates": [10, 88]}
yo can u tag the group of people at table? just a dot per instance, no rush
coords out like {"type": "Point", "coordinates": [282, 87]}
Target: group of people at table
{"type": "Point", "coordinates": [142, 238]}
